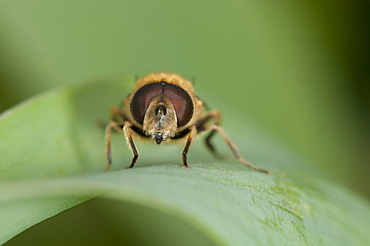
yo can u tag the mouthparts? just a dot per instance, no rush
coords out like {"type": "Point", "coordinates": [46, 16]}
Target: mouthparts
{"type": "Point", "coordinates": [158, 137]}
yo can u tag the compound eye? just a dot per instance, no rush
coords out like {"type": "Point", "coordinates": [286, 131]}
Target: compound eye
{"type": "Point", "coordinates": [182, 103]}
{"type": "Point", "coordinates": [141, 100]}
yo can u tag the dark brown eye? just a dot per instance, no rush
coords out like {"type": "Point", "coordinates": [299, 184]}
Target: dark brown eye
{"type": "Point", "coordinates": [179, 98]}
{"type": "Point", "coordinates": [181, 102]}
{"type": "Point", "coordinates": [142, 99]}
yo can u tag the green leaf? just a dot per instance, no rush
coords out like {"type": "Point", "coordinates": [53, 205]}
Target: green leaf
{"type": "Point", "coordinates": [52, 158]}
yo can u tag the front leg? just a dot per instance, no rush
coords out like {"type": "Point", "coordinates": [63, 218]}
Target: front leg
{"type": "Point", "coordinates": [117, 116]}
{"type": "Point", "coordinates": [191, 137]}
{"type": "Point", "coordinates": [131, 144]}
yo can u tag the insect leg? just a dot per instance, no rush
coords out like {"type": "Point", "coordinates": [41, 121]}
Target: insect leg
{"type": "Point", "coordinates": [108, 138]}
{"type": "Point", "coordinates": [233, 147]}
{"type": "Point", "coordinates": [116, 114]}
{"type": "Point", "coordinates": [191, 137]}
{"type": "Point", "coordinates": [127, 131]}
{"type": "Point", "coordinates": [213, 114]}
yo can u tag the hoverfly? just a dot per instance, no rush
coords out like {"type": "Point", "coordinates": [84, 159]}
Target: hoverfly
{"type": "Point", "coordinates": [163, 108]}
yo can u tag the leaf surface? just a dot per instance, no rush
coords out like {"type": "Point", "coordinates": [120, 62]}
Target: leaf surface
{"type": "Point", "coordinates": [52, 158]}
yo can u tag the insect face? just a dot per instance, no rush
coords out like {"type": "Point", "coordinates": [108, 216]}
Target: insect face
{"type": "Point", "coordinates": [160, 119]}
{"type": "Point", "coordinates": [163, 107]}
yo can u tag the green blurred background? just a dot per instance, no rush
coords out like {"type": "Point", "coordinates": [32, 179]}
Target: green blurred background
{"type": "Point", "coordinates": [299, 69]}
